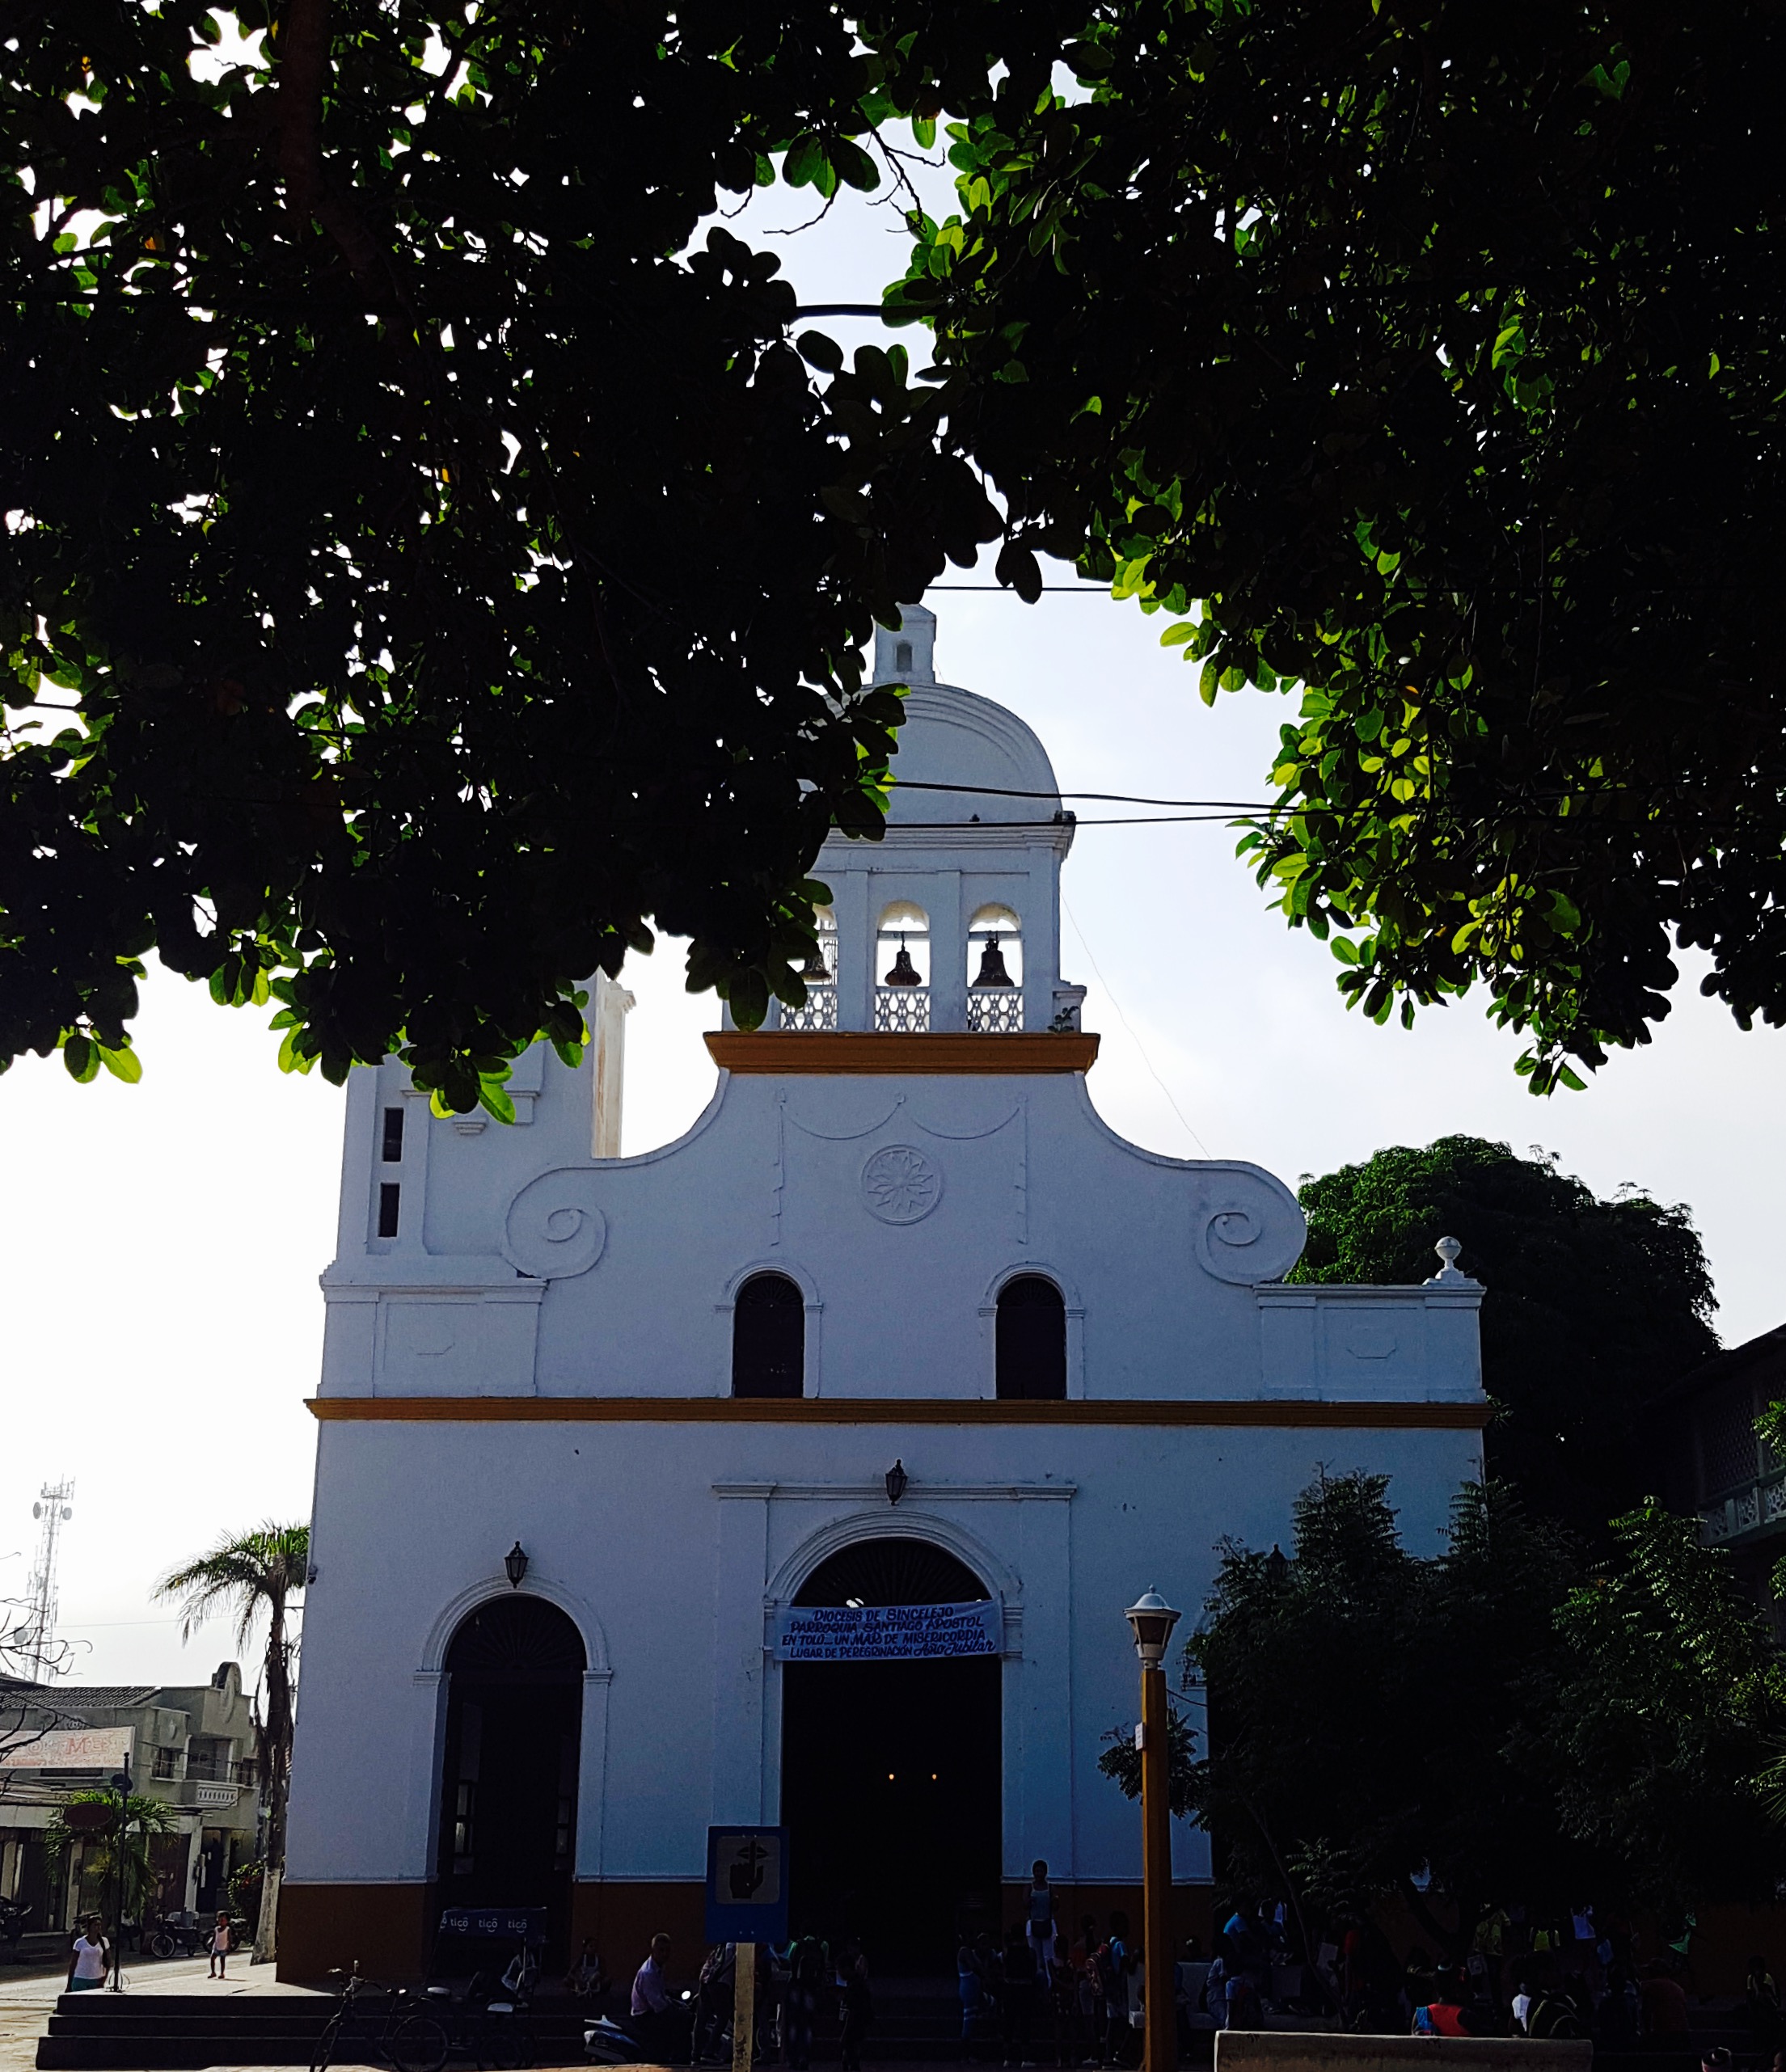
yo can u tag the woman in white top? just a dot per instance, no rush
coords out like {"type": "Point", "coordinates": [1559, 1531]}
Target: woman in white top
{"type": "Point", "coordinates": [89, 1960]}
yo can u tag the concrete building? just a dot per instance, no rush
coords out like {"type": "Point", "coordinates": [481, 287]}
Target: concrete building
{"type": "Point", "coordinates": [1709, 1459]}
{"type": "Point", "coordinates": [191, 1745]}
{"type": "Point", "coordinates": [899, 1322]}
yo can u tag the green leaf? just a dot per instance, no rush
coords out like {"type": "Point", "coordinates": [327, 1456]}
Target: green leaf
{"type": "Point", "coordinates": [123, 1064]}
{"type": "Point", "coordinates": [494, 1096]}
{"type": "Point", "coordinates": [818, 351]}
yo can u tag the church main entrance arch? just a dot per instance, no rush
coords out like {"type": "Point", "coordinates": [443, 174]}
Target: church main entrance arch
{"type": "Point", "coordinates": [508, 1779]}
{"type": "Point", "coordinates": [892, 1783]}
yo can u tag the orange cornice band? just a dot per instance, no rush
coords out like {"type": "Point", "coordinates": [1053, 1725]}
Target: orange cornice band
{"type": "Point", "coordinates": [1296, 1414]}
{"type": "Point", "coordinates": [858, 1052]}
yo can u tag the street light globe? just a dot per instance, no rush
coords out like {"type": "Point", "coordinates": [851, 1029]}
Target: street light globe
{"type": "Point", "coordinates": [1152, 1620]}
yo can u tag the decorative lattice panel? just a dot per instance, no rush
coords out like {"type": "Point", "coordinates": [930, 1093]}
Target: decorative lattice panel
{"type": "Point", "coordinates": [819, 1011]}
{"type": "Point", "coordinates": [996, 1013]}
{"type": "Point", "coordinates": [902, 1010]}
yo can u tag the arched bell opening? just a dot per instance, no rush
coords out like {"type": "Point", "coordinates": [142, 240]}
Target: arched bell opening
{"type": "Point", "coordinates": [820, 974]}
{"type": "Point", "coordinates": [1031, 1352]}
{"type": "Point", "coordinates": [769, 1338]}
{"type": "Point", "coordinates": [508, 1782]}
{"type": "Point", "coordinates": [995, 971]}
{"type": "Point", "coordinates": [892, 1773]}
{"type": "Point", "coordinates": [902, 969]}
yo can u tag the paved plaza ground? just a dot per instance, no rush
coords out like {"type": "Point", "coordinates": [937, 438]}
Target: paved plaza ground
{"type": "Point", "coordinates": [28, 1994]}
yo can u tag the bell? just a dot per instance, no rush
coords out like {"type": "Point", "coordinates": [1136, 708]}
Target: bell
{"type": "Point", "coordinates": [902, 971]}
{"type": "Point", "coordinates": [992, 965]}
{"type": "Point", "coordinates": [815, 971]}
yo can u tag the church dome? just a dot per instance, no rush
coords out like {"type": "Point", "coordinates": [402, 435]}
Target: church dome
{"type": "Point", "coordinates": [951, 736]}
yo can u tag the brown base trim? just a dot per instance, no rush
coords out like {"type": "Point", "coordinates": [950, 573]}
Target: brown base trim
{"type": "Point", "coordinates": [858, 1052]}
{"type": "Point", "coordinates": [325, 1928]}
{"type": "Point", "coordinates": [1285, 1413]}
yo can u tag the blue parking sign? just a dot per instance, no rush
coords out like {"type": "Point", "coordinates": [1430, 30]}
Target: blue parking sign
{"type": "Point", "coordinates": [747, 1884]}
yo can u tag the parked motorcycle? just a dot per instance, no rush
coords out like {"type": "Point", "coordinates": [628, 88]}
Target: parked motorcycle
{"type": "Point", "coordinates": [13, 1914]}
{"type": "Point", "coordinates": [604, 2042]}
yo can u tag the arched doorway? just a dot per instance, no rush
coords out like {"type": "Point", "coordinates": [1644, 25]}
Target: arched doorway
{"type": "Point", "coordinates": [514, 1715]}
{"type": "Point", "coordinates": [891, 1776]}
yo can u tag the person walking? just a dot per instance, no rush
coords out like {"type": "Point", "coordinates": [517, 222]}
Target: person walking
{"type": "Point", "coordinates": [858, 2008]}
{"type": "Point", "coordinates": [218, 1945]}
{"type": "Point", "coordinates": [91, 1958]}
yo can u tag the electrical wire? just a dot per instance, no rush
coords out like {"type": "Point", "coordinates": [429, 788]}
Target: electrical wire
{"type": "Point", "coordinates": [1129, 1026]}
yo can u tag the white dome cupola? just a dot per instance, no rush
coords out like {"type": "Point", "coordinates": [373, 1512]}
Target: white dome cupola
{"type": "Point", "coordinates": [951, 922]}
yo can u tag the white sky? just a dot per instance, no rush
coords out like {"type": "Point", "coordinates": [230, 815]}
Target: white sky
{"type": "Point", "coordinates": [162, 1320]}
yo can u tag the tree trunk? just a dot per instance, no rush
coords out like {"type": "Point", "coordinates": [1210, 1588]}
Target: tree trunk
{"type": "Point", "coordinates": [275, 1743]}
{"type": "Point", "coordinates": [266, 1933]}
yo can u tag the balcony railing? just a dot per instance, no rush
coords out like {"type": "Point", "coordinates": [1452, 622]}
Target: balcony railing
{"type": "Point", "coordinates": [1744, 1509]}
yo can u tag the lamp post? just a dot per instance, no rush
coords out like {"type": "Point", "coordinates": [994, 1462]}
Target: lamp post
{"type": "Point", "coordinates": [1152, 1620]}
{"type": "Point", "coordinates": [120, 1837]}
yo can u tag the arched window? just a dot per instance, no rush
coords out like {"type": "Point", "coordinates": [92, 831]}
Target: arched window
{"type": "Point", "coordinates": [769, 1338]}
{"type": "Point", "coordinates": [902, 657]}
{"type": "Point", "coordinates": [1032, 1341]}
{"type": "Point", "coordinates": [820, 974]}
{"type": "Point", "coordinates": [995, 971]}
{"type": "Point", "coordinates": [902, 957]}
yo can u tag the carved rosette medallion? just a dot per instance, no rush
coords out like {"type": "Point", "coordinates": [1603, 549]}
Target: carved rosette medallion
{"type": "Point", "coordinates": [899, 1184]}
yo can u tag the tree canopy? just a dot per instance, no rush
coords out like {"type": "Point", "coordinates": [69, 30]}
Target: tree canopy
{"type": "Point", "coordinates": [1525, 1729]}
{"type": "Point", "coordinates": [457, 564]}
{"type": "Point", "coordinates": [1425, 357]}
{"type": "Point", "coordinates": [1592, 1306]}
{"type": "Point", "coordinates": [454, 571]}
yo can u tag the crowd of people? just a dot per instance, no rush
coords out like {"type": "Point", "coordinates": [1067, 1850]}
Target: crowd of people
{"type": "Point", "coordinates": [1042, 1995]}
{"type": "Point", "coordinates": [791, 1982]}
{"type": "Point", "coordinates": [1521, 1975]}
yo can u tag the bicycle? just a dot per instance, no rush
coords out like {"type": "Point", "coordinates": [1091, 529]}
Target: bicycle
{"type": "Point", "coordinates": [490, 2027]}
{"type": "Point", "coordinates": [400, 2034]}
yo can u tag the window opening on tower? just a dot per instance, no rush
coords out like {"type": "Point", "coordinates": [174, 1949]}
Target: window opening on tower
{"type": "Point", "coordinates": [902, 957]}
{"type": "Point", "coordinates": [995, 994]}
{"type": "Point", "coordinates": [820, 974]}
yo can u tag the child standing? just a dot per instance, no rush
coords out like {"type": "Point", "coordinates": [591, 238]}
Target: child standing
{"type": "Point", "coordinates": [220, 1945]}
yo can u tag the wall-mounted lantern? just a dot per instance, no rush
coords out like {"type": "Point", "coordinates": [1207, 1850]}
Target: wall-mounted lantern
{"type": "Point", "coordinates": [898, 1482]}
{"type": "Point", "coordinates": [514, 1564]}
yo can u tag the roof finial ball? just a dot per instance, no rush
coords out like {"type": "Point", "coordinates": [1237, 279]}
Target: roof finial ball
{"type": "Point", "coordinates": [1448, 1274]}
{"type": "Point", "coordinates": [908, 656]}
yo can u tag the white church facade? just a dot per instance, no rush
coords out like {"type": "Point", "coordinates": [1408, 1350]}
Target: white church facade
{"type": "Point", "coordinates": [899, 1321]}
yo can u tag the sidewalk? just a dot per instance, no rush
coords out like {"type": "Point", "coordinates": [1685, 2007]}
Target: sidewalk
{"type": "Point", "coordinates": [28, 1994]}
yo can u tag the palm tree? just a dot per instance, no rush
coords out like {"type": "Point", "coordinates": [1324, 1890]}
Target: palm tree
{"type": "Point", "coordinates": [249, 1575]}
{"type": "Point", "coordinates": [121, 1863]}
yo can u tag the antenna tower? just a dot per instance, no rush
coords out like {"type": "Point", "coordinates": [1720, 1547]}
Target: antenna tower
{"type": "Point", "coordinates": [37, 1644]}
